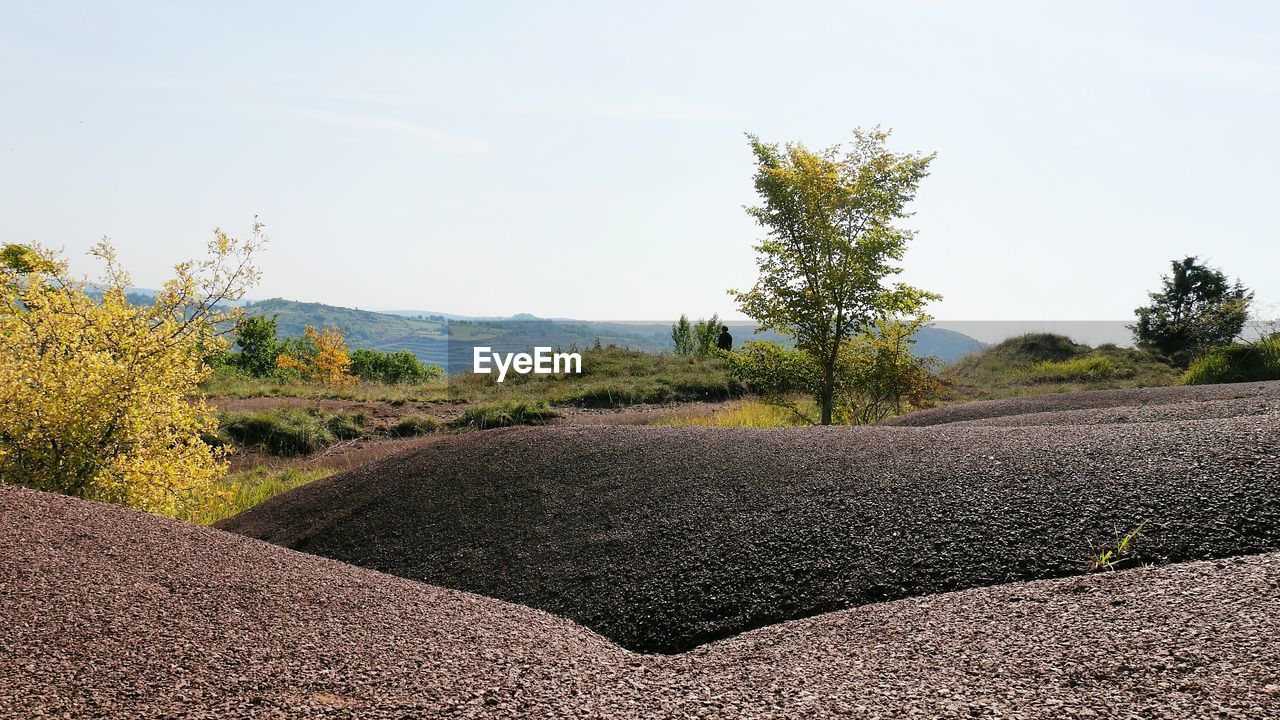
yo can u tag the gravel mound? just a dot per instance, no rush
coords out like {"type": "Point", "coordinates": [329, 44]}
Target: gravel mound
{"type": "Point", "coordinates": [111, 613]}
{"type": "Point", "coordinates": [665, 538]}
{"type": "Point", "coordinates": [1254, 404]}
{"type": "Point", "coordinates": [1154, 400]}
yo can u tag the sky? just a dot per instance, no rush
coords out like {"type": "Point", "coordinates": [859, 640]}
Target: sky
{"type": "Point", "coordinates": [588, 159]}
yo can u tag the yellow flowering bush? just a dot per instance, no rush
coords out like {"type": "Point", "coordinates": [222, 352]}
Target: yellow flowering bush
{"type": "Point", "coordinates": [98, 397]}
{"type": "Point", "coordinates": [321, 356]}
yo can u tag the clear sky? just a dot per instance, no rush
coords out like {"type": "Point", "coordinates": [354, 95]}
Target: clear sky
{"type": "Point", "coordinates": [587, 159]}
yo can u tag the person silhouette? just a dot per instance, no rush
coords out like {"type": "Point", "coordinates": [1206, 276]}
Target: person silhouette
{"type": "Point", "coordinates": [725, 341]}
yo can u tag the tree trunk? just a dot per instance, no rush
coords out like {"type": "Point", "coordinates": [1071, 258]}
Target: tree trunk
{"type": "Point", "coordinates": [828, 393]}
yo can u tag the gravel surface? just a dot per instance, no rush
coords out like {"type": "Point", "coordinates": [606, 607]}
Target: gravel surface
{"type": "Point", "coordinates": [665, 538]}
{"type": "Point", "coordinates": [111, 613]}
{"type": "Point", "coordinates": [1094, 400]}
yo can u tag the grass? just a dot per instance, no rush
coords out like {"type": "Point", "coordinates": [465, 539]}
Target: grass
{"type": "Point", "coordinates": [231, 383]}
{"type": "Point", "coordinates": [1041, 363]}
{"type": "Point", "coordinates": [504, 414]}
{"type": "Point", "coordinates": [240, 491]}
{"type": "Point", "coordinates": [413, 426]}
{"type": "Point", "coordinates": [611, 377]}
{"type": "Point", "coordinates": [289, 432]}
{"type": "Point", "coordinates": [1108, 556]}
{"type": "Point", "coordinates": [748, 413]}
{"type": "Point", "coordinates": [1087, 369]}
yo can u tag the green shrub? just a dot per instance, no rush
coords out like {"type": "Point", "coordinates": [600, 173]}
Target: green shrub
{"type": "Point", "coordinates": [397, 367]}
{"type": "Point", "coordinates": [1245, 362]}
{"type": "Point", "coordinates": [771, 369]}
{"type": "Point", "coordinates": [505, 414]}
{"type": "Point", "coordinates": [414, 425]}
{"type": "Point", "coordinates": [290, 431]}
{"type": "Point", "coordinates": [1039, 347]}
{"type": "Point", "coordinates": [876, 373]}
{"type": "Point", "coordinates": [259, 346]}
{"type": "Point", "coordinates": [345, 426]}
{"type": "Point", "coordinates": [1091, 368]}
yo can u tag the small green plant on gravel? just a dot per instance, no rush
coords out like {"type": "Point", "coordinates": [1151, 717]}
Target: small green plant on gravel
{"type": "Point", "coordinates": [505, 414]}
{"type": "Point", "coordinates": [414, 425]}
{"type": "Point", "coordinates": [1109, 555]}
{"type": "Point", "coordinates": [290, 431]}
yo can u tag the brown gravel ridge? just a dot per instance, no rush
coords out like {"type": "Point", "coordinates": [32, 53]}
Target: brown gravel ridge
{"type": "Point", "coordinates": [111, 613]}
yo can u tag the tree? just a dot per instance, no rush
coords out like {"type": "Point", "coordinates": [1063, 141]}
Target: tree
{"type": "Point", "coordinates": [320, 356]}
{"type": "Point", "coordinates": [1196, 309]}
{"type": "Point", "coordinates": [98, 397]}
{"type": "Point", "coordinates": [696, 338]}
{"type": "Point", "coordinates": [259, 348]}
{"type": "Point", "coordinates": [830, 244]}
{"type": "Point", "coordinates": [682, 336]}
{"type": "Point", "coordinates": [705, 334]}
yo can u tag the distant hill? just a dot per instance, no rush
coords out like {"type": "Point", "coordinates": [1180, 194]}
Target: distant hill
{"type": "Point", "coordinates": [425, 337]}
{"type": "Point", "coordinates": [447, 340]}
{"type": "Point", "coordinates": [946, 345]}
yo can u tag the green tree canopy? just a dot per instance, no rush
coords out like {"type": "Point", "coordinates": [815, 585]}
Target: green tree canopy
{"type": "Point", "coordinates": [1196, 309]}
{"type": "Point", "coordinates": [682, 335]}
{"type": "Point", "coordinates": [831, 242]}
{"type": "Point", "coordinates": [259, 348]}
{"type": "Point", "coordinates": [696, 338]}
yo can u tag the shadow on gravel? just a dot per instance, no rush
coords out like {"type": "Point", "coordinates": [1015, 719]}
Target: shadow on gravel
{"type": "Point", "coordinates": [662, 539]}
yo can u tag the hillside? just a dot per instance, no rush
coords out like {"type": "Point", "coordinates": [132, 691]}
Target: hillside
{"type": "Point", "coordinates": [664, 538]}
{"type": "Point", "coordinates": [112, 613]}
{"type": "Point", "coordinates": [427, 338]}
{"type": "Point", "coordinates": [448, 340]}
{"type": "Point", "coordinates": [1040, 363]}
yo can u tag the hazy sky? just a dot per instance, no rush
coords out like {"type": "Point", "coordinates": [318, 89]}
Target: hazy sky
{"type": "Point", "coordinates": [588, 159]}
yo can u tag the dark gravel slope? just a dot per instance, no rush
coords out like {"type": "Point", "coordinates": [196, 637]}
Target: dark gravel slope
{"type": "Point", "coordinates": [1152, 399]}
{"type": "Point", "coordinates": [110, 613]}
{"type": "Point", "coordinates": [1251, 404]}
{"type": "Point", "coordinates": [665, 538]}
